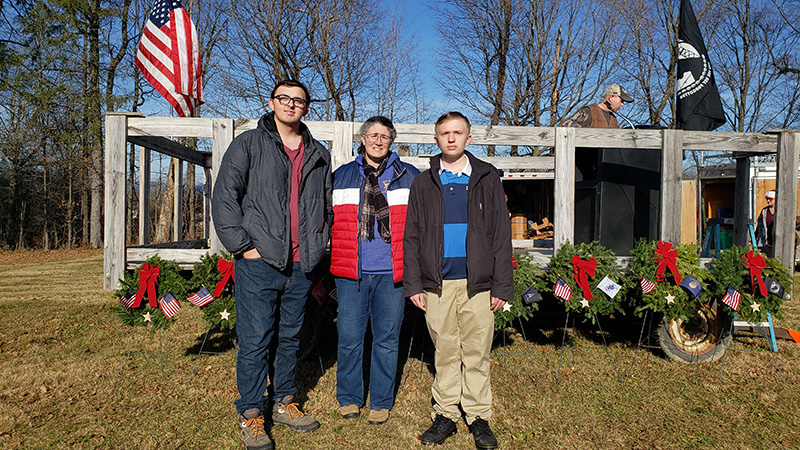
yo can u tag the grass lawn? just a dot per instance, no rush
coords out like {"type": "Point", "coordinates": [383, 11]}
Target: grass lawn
{"type": "Point", "coordinates": [61, 349]}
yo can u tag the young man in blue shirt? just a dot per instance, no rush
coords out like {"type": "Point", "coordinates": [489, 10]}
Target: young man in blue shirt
{"type": "Point", "coordinates": [457, 268]}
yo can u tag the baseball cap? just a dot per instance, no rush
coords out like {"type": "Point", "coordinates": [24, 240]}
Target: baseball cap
{"type": "Point", "coordinates": [770, 194]}
{"type": "Point", "coordinates": [619, 91]}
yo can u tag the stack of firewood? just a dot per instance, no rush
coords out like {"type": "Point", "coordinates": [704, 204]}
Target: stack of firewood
{"type": "Point", "coordinates": [543, 230]}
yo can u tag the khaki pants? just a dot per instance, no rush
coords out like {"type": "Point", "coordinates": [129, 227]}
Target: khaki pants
{"type": "Point", "coordinates": [461, 328]}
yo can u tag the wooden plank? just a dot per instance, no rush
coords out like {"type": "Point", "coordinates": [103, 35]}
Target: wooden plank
{"type": "Point", "coordinates": [173, 149]}
{"type": "Point", "coordinates": [224, 130]}
{"type": "Point", "coordinates": [688, 212]}
{"type": "Point", "coordinates": [114, 199]}
{"type": "Point", "coordinates": [184, 257]}
{"type": "Point", "coordinates": [483, 135]}
{"type": "Point", "coordinates": [144, 196]}
{"type": "Point", "coordinates": [177, 202]}
{"type": "Point", "coordinates": [671, 172]}
{"type": "Point", "coordinates": [342, 144]}
{"type": "Point", "coordinates": [786, 197]}
{"type": "Point", "coordinates": [500, 162]}
{"type": "Point", "coordinates": [564, 189]}
{"type": "Point", "coordinates": [170, 126]}
{"type": "Point", "coordinates": [741, 203]}
{"type": "Point", "coordinates": [206, 203]}
{"type": "Point", "coordinates": [322, 131]}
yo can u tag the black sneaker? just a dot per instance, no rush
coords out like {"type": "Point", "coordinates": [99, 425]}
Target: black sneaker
{"type": "Point", "coordinates": [254, 436]}
{"type": "Point", "coordinates": [484, 438]}
{"type": "Point", "coordinates": [441, 429]}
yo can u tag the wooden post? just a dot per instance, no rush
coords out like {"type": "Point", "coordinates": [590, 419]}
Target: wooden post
{"type": "Point", "coordinates": [741, 203]}
{"type": "Point", "coordinates": [177, 201]}
{"type": "Point", "coordinates": [342, 144]}
{"type": "Point", "coordinates": [786, 197]}
{"type": "Point", "coordinates": [222, 135]}
{"type": "Point", "coordinates": [114, 242]}
{"type": "Point", "coordinates": [564, 210]}
{"type": "Point", "coordinates": [144, 196]}
{"type": "Point", "coordinates": [207, 204]}
{"type": "Point", "coordinates": [671, 172]}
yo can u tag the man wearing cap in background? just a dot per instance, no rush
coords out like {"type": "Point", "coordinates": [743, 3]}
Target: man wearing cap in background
{"type": "Point", "coordinates": [601, 115]}
{"type": "Point", "coordinates": [765, 225]}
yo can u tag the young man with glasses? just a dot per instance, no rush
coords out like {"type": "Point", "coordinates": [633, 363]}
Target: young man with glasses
{"type": "Point", "coordinates": [272, 210]}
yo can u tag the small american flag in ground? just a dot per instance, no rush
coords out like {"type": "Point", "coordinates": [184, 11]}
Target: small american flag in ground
{"type": "Point", "coordinates": [647, 285]}
{"type": "Point", "coordinates": [169, 305]}
{"type": "Point", "coordinates": [563, 290]}
{"type": "Point", "coordinates": [127, 299]}
{"type": "Point", "coordinates": [201, 298]}
{"type": "Point", "coordinates": [732, 298]}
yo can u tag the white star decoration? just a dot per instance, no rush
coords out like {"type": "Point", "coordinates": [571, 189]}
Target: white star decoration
{"type": "Point", "coordinates": [670, 299]}
{"type": "Point", "coordinates": [585, 303]}
{"type": "Point", "coordinates": [146, 316]}
{"type": "Point", "coordinates": [756, 307]}
{"type": "Point", "coordinates": [507, 307]}
{"type": "Point", "coordinates": [225, 314]}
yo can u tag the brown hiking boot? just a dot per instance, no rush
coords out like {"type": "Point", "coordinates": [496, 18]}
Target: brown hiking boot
{"type": "Point", "coordinates": [349, 411]}
{"type": "Point", "coordinates": [378, 416]}
{"type": "Point", "coordinates": [254, 436]}
{"type": "Point", "coordinates": [288, 414]}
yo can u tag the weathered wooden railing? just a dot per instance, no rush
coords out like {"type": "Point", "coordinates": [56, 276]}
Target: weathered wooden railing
{"type": "Point", "coordinates": [152, 133]}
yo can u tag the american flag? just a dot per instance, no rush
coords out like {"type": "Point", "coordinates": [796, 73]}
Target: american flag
{"type": "Point", "coordinates": [201, 298]}
{"type": "Point", "coordinates": [732, 298]}
{"type": "Point", "coordinates": [169, 58]}
{"type": "Point", "coordinates": [563, 290]}
{"type": "Point", "coordinates": [169, 305]}
{"type": "Point", "coordinates": [127, 299]}
{"type": "Point", "coordinates": [647, 285]}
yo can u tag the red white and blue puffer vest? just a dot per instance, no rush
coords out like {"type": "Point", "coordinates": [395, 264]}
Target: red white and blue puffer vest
{"type": "Point", "coordinates": [348, 182]}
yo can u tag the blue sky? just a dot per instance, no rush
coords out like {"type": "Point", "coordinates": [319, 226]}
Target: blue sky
{"type": "Point", "coordinates": [419, 21]}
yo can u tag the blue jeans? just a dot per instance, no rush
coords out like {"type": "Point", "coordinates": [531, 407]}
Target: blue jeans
{"type": "Point", "coordinates": [261, 291]}
{"type": "Point", "coordinates": [379, 299]}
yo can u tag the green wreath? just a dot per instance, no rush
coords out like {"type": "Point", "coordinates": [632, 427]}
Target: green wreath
{"type": "Point", "coordinates": [729, 270]}
{"type": "Point", "coordinates": [682, 302]}
{"type": "Point", "coordinates": [526, 274]}
{"type": "Point", "coordinates": [220, 313]}
{"type": "Point", "coordinates": [561, 267]}
{"type": "Point", "coordinates": [169, 280]}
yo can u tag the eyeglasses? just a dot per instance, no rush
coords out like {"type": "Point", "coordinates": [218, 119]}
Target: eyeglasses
{"type": "Point", "coordinates": [285, 100]}
{"type": "Point", "coordinates": [374, 137]}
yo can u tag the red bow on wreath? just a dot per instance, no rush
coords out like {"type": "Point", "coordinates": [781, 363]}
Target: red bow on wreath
{"type": "Point", "coordinates": [226, 269]}
{"type": "Point", "coordinates": [755, 262]}
{"type": "Point", "coordinates": [147, 283]}
{"type": "Point", "coordinates": [666, 256]}
{"type": "Point", "coordinates": [581, 269]}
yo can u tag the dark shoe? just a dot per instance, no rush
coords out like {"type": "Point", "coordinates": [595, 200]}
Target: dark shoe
{"type": "Point", "coordinates": [441, 429]}
{"type": "Point", "coordinates": [484, 438]}
{"type": "Point", "coordinates": [288, 414]}
{"type": "Point", "coordinates": [254, 436]}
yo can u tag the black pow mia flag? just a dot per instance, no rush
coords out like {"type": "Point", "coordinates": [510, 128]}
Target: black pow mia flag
{"type": "Point", "coordinates": [774, 287]}
{"type": "Point", "coordinates": [698, 105]}
{"type": "Point", "coordinates": [531, 295]}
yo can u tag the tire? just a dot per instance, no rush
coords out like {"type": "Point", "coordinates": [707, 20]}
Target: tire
{"type": "Point", "coordinates": [701, 339]}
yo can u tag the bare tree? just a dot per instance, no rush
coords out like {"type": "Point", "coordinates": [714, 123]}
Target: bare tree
{"type": "Point", "coordinates": [752, 38]}
{"type": "Point", "coordinates": [527, 62]}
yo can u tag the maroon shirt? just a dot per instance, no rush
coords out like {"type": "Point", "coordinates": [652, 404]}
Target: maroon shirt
{"type": "Point", "coordinates": [296, 160]}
